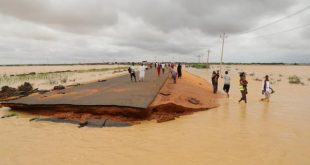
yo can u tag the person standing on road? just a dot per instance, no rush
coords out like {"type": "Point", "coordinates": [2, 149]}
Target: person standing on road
{"type": "Point", "coordinates": [174, 76]}
{"type": "Point", "coordinates": [226, 83]}
{"type": "Point", "coordinates": [243, 87]}
{"type": "Point", "coordinates": [158, 69]}
{"type": "Point", "coordinates": [132, 72]}
{"type": "Point", "coordinates": [163, 67]}
{"type": "Point", "coordinates": [179, 68]}
{"type": "Point", "coordinates": [141, 72]}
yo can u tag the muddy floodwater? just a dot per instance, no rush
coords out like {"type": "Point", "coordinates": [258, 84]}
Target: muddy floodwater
{"type": "Point", "coordinates": [258, 132]}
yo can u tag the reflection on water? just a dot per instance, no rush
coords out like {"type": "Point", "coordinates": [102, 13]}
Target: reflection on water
{"type": "Point", "coordinates": [265, 110]}
{"type": "Point", "coordinates": [259, 133]}
{"type": "Point", "coordinates": [243, 110]}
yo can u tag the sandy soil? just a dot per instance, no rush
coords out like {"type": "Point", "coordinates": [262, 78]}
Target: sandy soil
{"type": "Point", "coordinates": [173, 99]}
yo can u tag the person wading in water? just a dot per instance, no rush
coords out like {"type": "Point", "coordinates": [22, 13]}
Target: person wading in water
{"type": "Point", "coordinates": [243, 87]}
{"type": "Point", "coordinates": [226, 83]}
{"type": "Point", "coordinates": [266, 89]}
{"type": "Point", "coordinates": [215, 78]}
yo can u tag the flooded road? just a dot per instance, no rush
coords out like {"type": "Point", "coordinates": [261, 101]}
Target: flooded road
{"type": "Point", "coordinates": [259, 133]}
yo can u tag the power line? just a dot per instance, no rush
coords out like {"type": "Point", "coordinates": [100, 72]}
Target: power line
{"type": "Point", "coordinates": [208, 57]}
{"type": "Point", "coordinates": [276, 21]}
{"type": "Point", "coordinates": [223, 36]}
{"type": "Point", "coordinates": [292, 29]}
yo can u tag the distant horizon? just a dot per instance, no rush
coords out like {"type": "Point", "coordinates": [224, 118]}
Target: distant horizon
{"type": "Point", "coordinates": [113, 63]}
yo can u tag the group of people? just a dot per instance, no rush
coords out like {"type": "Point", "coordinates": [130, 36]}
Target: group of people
{"type": "Point", "coordinates": [132, 72]}
{"type": "Point", "coordinates": [159, 68]}
{"type": "Point", "coordinates": [243, 83]}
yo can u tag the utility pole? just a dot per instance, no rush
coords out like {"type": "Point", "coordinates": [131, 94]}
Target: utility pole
{"type": "Point", "coordinates": [208, 57]}
{"type": "Point", "coordinates": [223, 36]}
{"type": "Point", "coordinates": [199, 56]}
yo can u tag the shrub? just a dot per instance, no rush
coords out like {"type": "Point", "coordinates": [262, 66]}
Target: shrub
{"type": "Point", "coordinates": [294, 80]}
{"type": "Point", "coordinates": [200, 66]}
{"type": "Point", "coordinates": [64, 80]}
{"type": "Point", "coordinates": [26, 87]}
{"type": "Point", "coordinates": [252, 74]}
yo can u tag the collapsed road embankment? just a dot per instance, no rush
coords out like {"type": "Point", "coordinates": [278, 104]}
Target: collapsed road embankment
{"type": "Point", "coordinates": [119, 99]}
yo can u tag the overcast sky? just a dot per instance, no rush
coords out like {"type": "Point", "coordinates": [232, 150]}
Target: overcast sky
{"type": "Point", "coordinates": [71, 31]}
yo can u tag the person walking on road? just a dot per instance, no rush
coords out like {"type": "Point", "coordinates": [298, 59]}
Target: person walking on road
{"type": "Point", "coordinates": [215, 77]}
{"type": "Point", "coordinates": [174, 76]}
{"type": "Point", "coordinates": [132, 72]}
{"type": "Point", "coordinates": [266, 89]}
{"type": "Point", "coordinates": [163, 67]}
{"type": "Point", "coordinates": [226, 83]}
{"type": "Point", "coordinates": [179, 68]}
{"type": "Point", "coordinates": [243, 87]}
{"type": "Point", "coordinates": [158, 69]}
{"type": "Point", "coordinates": [141, 72]}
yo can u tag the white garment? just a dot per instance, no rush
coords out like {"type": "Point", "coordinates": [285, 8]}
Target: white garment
{"type": "Point", "coordinates": [226, 79]}
{"type": "Point", "coordinates": [268, 86]}
{"type": "Point", "coordinates": [162, 65]}
{"type": "Point", "coordinates": [142, 71]}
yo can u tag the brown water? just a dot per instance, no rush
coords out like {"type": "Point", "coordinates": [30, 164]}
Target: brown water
{"type": "Point", "coordinates": [277, 132]}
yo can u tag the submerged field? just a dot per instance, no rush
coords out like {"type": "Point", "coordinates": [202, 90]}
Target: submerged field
{"type": "Point", "coordinates": [45, 77]}
{"type": "Point", "coordinates": [258, 132]}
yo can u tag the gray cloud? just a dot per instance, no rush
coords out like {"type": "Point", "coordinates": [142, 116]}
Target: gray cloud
{"type": "Point", "coordinates": [69, 15]}
{"type": "Point", "coordinates": [211, 17]}
{"type": "Point", "coordinates": [37, 31]}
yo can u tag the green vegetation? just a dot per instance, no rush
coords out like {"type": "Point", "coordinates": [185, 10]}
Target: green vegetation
{"type": "Point", "coordinates": [9, 115]}
{"type": "Point", "coordinates": [258, 79]}
{"type": "Point", "coordinates": [252, 74]}
{"type": "Point", "coordinates": [294, 80]}
{"type": "Point", "coordinates": [200, 66]}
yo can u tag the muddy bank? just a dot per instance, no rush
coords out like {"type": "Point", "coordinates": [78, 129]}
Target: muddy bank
{"type": "Point", "coordinates": [82, 112]}
{"type": "Point", "coordinates": [190, 94]}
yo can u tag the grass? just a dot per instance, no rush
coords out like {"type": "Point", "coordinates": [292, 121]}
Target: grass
{"type": "Point", "coordinates": [252, 74]}
{"type": "Point", "coordinates": [200, 66]}
{"type": "Point", "coordinates": [294, 80]}
{"type": "Point", "coordinates": [9, 115]}
{"type": "Point", "coordinates": [258, 79]}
